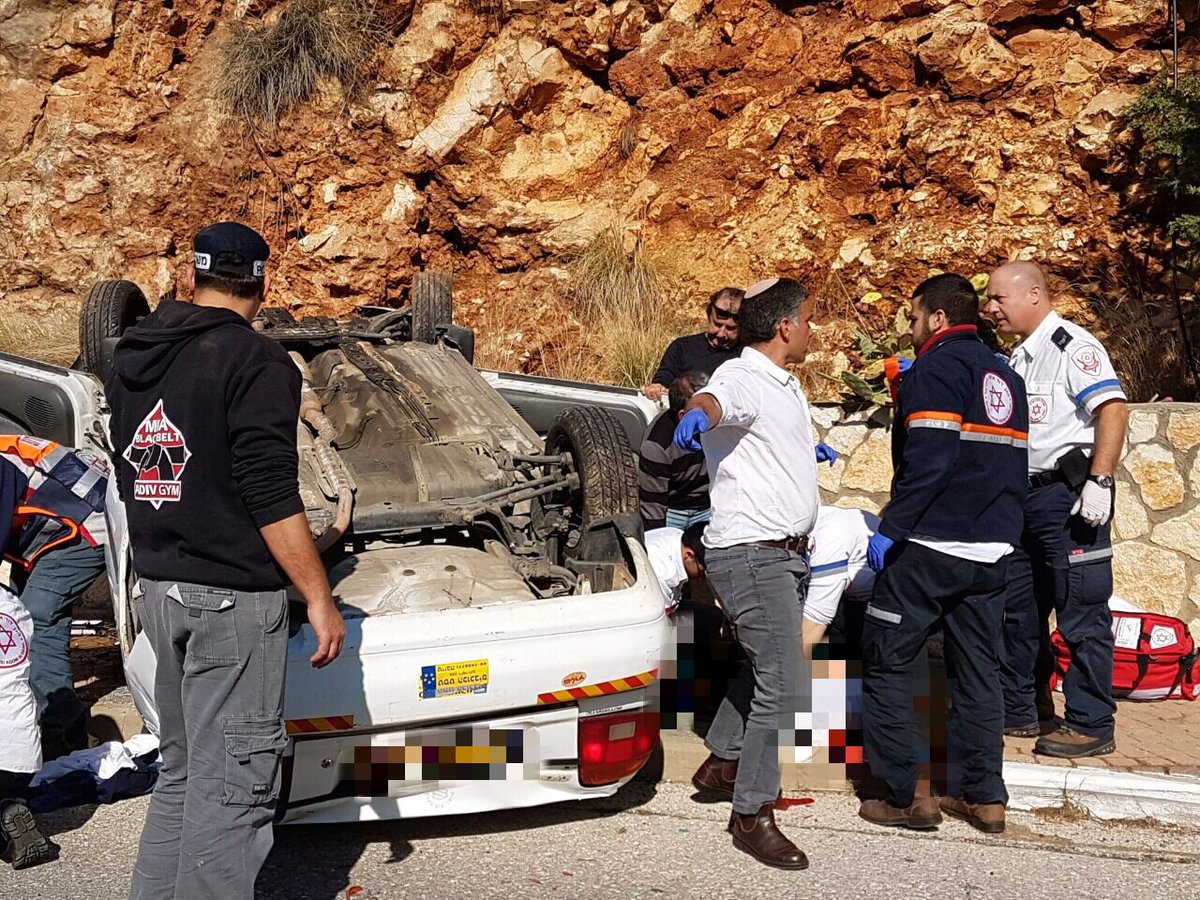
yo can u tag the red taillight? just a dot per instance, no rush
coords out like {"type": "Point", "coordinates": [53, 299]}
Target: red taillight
{"type": "Point", "coordinates": [615, 746]}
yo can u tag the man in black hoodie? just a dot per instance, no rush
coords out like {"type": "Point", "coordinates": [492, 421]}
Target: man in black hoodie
{"type": "Point", "coordinates": [204, 414]}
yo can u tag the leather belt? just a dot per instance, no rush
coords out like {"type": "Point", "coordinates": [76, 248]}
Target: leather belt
{"type": "Point", "coordinates": [1045, 479]}
{"type": "Point", "coordinates": [797, 544]}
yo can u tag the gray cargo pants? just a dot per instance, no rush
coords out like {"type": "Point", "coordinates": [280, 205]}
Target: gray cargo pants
{"type": "Point", "coordinates": [762, 590]}
{"type": "Point", "coordinates": [219, 691]}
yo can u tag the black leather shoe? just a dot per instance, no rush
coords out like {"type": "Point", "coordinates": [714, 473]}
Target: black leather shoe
{"type": "Point", "coordinates": [1033, 729]}
{"type": "Point", "coordinates": [715, 778]}
{"type": "Point", "coordinates": [1066, 743]}
{"type": "Point", "coordinates": [758, 835]}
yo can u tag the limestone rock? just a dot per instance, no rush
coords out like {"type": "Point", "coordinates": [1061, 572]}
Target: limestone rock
{"type": "Point", "coordinates": [825, 415]}
{"type": "Point", "coordinates": [1183, 430]}
{"type": "Point", "coordinates": [405, 205]}
{"type": "Point", "coordinates": [1126, 23]}
{"type": "Point", "coordinates": [1130, 520]}
{"type": "Point", "coordinates": [20, 105]}
{"type": "Point", "coordinates": [857, 501]}
{"type": "Point", "coordinates": [1097, 125]}
{"type": "Point", "coordinates": [846, 439]}
{"type": "Point", "coordinates": [972, 62]}
{"type": "Point", "coordinates": [829, 478]}
{"type": "Point", "coordinates": [1153, 469]}
{"type": "Point", "coordinates": [1181, 533]}
{"type": "Point", "coordinates": [870, 470]}
{"type": "Point", "coordinates": [1152, 578]}
{"type": "Point", "coordinates": [1143, 426]}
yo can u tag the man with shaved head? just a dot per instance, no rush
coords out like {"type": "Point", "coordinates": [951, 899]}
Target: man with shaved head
{"type": "Point", "coordinates": [752, 421]}
{"type": "Point", "coordinates": [1077, 421]}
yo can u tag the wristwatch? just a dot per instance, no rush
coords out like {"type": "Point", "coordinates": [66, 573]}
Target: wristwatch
{"type": "Point", "coordinates": [1105, 481]}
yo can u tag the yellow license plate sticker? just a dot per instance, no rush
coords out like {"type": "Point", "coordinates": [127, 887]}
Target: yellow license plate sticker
{"type": "Point", "coordinates": [451, 679]}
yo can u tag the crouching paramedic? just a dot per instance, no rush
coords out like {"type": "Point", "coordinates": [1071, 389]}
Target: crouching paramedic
{"type": "Point", "coordinates": [959, 453]}
{"type": "Point", "coordinates": [57, 550]}
{"type": "Point", "coordinates": [204, 413]}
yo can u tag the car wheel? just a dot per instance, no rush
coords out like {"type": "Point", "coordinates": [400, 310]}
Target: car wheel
{"type": "Point", "coordinates": [607, 467]}
{"type": "Point", "coordinates": [109, 309]}
{"type": "Point", "coordinates": [432, 305]}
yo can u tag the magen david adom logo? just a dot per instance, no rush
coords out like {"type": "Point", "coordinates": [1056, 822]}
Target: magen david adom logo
{"type": "Point", "coordinates": [997, 399]}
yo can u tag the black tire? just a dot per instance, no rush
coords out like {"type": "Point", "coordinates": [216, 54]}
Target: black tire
{"type": "Point", "coordinates": [606, 465]}
{"type": "Point", "coordinates": [432, 305]}
{"type": "Point", "coordinates": [109, 309]}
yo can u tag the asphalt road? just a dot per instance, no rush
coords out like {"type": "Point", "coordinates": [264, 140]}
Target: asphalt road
{"type": "Point", "coordinates": [654, 842]}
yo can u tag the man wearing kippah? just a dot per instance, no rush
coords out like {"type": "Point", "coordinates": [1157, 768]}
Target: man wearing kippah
{"type": "Point", "coordinates": [204, 413]}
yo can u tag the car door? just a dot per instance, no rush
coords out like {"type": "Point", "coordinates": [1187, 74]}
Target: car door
{"type": "Point", "coordinates": [67, 406]}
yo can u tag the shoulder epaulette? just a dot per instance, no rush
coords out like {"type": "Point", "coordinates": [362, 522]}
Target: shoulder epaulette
{"type": "Point", "coordinates": [1061, 338]}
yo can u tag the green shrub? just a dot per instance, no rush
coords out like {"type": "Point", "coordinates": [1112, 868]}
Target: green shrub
{"type": "Point", "coordinates": [268, 68]}
{"type": "Point", "coordinates": [1168, 120]}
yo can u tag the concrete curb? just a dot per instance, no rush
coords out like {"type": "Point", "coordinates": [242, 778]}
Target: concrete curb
{"type": "Point", "coordinates": [1101, 793]}
{"type": "Point", "coordinates": [1105, 793]}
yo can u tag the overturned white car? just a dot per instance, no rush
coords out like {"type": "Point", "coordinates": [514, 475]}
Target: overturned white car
{"type": "Point", "coordinates": [504, 630]}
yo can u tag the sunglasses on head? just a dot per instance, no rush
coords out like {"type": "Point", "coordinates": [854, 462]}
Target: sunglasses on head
{"type": "Point", "coordinates": [723, 315]}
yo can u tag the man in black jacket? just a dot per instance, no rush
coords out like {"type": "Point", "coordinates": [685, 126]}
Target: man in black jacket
{"type": "Point", "coordinates": [204, 413]}
{"type": "Point", "coordinates": [959, 453]}
{"type": "Point", "coordinates": [705, 351]}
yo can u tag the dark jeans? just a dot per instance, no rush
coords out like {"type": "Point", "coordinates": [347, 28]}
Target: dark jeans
{"type": "Point", "coordinates": [1064, 565]}
{"type": "Point", "coordinates": [762, 591]}
{"type": "Point", "coordinates": [218, 687]}
{"type": "Point", "coordinates": [14, 786]}
{"type": "Point", "coordinates": [919, 588]}
{"type": "Point", "coordinates": [49, 592]}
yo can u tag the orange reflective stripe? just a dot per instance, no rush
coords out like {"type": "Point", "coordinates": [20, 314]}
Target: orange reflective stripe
{"type": "Point", "coordinates": [17, 445]}
{"type": "Point", "coordinates": [72, 533]}
{"type": "Point", "coordinates": [993, 429]}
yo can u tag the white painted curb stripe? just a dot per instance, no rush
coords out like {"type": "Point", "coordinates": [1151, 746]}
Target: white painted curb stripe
{"type": "Point", "coordinates": [1104, 793]}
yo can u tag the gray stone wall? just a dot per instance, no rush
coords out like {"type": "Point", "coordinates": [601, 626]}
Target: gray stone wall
{"type": "Point", "coordinates": [1156, 535]}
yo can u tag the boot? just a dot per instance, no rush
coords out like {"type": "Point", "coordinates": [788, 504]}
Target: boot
{"type": "Point", "coordinates": [715, 778]}
{"type": "Point", "coordinates": [1066, 743]}
{"type": "Point", "coordinates": [987, 817]}
{"type": "Point", "coordinates": [26, 845]}
{"type": "Point", "coordinates": [758, 835]}
{"type": "Point", "coordinates": [922, 814]}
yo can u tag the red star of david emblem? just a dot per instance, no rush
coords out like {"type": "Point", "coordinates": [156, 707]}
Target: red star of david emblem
{"type": "Point", "coordinates": [7, 640]}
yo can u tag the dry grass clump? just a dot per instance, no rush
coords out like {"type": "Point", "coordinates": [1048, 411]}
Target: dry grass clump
{"type": "Point", "coordinates": [50, 334]}
{"type": "Point", "coordinates": [269, 67]}
{"type": "Point", "coordinates": [621, 296]}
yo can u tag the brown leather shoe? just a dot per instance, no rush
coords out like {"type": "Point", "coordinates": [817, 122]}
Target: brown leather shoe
{"type": "Point", "coordinates": [987, 817]}
{"type": "Point", "coordinates": [758, 835]}
{"type": "Point", "coordinates": [715, 778]}
{"type": "Point", "coordinates": [922, 814]}
{"type": "Point", "coordinates": [1067, 743]}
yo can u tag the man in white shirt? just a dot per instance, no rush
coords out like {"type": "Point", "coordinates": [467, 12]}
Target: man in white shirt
{"type": "Point", "coordinates": [676, 556]}
{"type": "Point", "coordinates": [1077, 421]}
{"type": "Point", "coordinates": [757, 441]}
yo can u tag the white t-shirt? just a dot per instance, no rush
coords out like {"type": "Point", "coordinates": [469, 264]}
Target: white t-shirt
{"type": "Point", "coordinates": [760, 457]}
{"type": "Point", "coordinates": [1065, 388]}
{"type": "Point", "coordinates": [838, 561]}
{"type": "Point", "coordinates": [20, 740]}
{"type": "Point", "coordinates": [665, 548]}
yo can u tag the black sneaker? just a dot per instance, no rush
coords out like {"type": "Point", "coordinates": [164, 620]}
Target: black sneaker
{"type": "Point", "coordinates": [1033, 729]}
{"type": "Point", "coordinates": [26, 845]}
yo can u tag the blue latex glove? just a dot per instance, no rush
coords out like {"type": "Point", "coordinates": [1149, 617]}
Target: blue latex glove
{"type": "Point", "coordinates": [877, 549]}
{"type": "Point", "coordinates": [903, 363]}
{"type": "Point", "coordinates": [825, 453]}
{"type": "Point", "coordinates": [689, 429]}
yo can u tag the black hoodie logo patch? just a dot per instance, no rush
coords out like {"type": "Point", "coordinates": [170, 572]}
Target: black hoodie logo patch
{"type": "Point", "coordinates": [158, 452]}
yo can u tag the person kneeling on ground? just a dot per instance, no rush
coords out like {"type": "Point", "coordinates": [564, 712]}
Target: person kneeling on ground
{"type": "Point", "coordinates": [20, 743]}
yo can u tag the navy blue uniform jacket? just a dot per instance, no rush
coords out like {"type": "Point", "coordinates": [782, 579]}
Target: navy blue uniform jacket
{"type": "Point", "coordinates": [959, 445]}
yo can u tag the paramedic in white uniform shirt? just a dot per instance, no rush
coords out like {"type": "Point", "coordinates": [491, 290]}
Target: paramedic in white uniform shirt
{"type": "Point", "coordinates": [838, 568]}
{"type": "Point", "coordinates": [676, 556]}
{"type": "Point", "coordinates": [1077, 421]}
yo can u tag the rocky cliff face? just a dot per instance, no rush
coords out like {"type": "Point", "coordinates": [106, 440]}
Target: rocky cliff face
{"type": "Point", "coordinates": [874, 138]}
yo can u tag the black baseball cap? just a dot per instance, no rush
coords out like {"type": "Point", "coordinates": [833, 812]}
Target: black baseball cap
{"type": "Point", "coordinates": [231, 248]}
